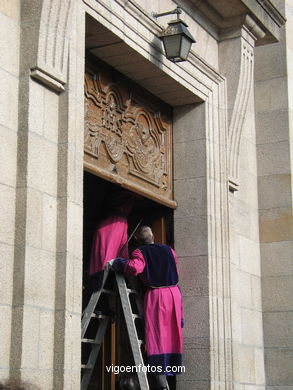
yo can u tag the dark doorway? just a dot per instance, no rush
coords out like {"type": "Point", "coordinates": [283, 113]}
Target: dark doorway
{"type": "Point", "coordinates": [160, 218]}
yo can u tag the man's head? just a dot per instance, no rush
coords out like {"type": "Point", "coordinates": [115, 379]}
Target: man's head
{"type": "Point", "coordinates": [144, 235]}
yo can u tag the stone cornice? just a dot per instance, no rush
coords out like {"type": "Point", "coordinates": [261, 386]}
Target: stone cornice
{"type": "Point", "coordinates": [265, 14]}
{"type": "Point", "coordinates": [273, 12]}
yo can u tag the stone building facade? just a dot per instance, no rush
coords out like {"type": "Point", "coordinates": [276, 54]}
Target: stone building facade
{"type": "Point", "coordinates": [232, 122]}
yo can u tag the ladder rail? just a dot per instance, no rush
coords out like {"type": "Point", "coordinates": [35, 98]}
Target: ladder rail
{"type": "Point", "coordinates": [132, 332]}
{"type": "Point", "coordinates": [94, 354]}
{"type": "Point", "coordinates": [87, 314]}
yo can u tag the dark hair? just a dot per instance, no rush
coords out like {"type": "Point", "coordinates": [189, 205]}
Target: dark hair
{"type": "Point", "coordinates": [12, 384]}
{"type": "Point", "coordinates": [128, 382]}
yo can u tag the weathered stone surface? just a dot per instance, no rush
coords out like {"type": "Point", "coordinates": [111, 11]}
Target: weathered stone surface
{"type": "Point", "coordinates": [276, 224]}
{"type": "Point", "coordinates": [279, 367]}
{"type": "Point", "coordinates": [280, 297]}
{"type": "Point", "coordinates": [278, 329]}
{"type": "Point", "coordinates": [5, 335]}
{"type": "Point", "coordinates": [277, 258]}
{"type": "Point", "coordinates": [7, 214]}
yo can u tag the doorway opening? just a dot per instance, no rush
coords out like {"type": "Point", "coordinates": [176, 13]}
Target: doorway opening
{"type": "Point", "coordinates": [160, 219]}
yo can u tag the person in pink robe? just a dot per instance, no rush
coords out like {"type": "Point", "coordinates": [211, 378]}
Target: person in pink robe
{"type": "Point", "coordinates": [157, 267]}
{"type": "Point", "coordinates": [110, 238]}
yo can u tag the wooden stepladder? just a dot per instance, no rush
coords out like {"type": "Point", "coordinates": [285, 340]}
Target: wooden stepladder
{"type": "Point", "coordinates": [93, 316]}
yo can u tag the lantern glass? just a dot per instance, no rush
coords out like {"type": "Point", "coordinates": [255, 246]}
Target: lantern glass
{"type": "Point", "coordinates": [172, 45]}
{"type": "Point", "coordinates": [185, 48]}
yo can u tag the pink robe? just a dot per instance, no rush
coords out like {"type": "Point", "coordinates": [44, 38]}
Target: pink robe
{"type": "Point", "coordinates": [109, 239]}
{"type": "Point", "coordinates": [163, 318]}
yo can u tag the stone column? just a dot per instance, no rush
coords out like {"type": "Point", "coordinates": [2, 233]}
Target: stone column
{"type": "Point", "coordinates": [236, 62]}
{"type": "Point", "coordinates": [274, 102]}
{"type": "Point", "coordinates": [9, 81]}
{"type": "Point", "coordinates": [201, 239]}
{"type": "Point", "coordinates": [45, 347]}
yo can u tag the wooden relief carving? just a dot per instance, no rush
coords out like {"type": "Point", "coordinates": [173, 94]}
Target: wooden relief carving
{"type": "Point", "coordinates": [127, 135]}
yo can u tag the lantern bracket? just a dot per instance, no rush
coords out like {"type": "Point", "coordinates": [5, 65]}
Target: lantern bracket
{"type": "Point", "coordinates": [177, 10]}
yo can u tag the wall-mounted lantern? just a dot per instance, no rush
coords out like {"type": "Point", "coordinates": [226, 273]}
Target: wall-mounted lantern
{"type": "Point", "coordinates": [176, 38]}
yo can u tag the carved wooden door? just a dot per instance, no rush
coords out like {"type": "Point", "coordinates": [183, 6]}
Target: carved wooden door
{"type": "Point", "coordinates": [128, 135]}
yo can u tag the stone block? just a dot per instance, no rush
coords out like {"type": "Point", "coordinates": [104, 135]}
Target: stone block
{"type": "Point", "coordinates": [234, 247]}
{"type": "Point", "coordinates": [8, 100]}
{"type": "Point", "coordinates": [5, 336]}
{"type": "Point", "coordinates": [189, 123]}
{"type": "Point", "coordinates": [273, 158]}
{"type": "Point", "coordinates": [40, 278]}
{"type": "Point", "coordinates": [30, 337]}
{"type": "Point", "coordinates": [279, 363]}
{"type": "Point", "coordinates": [8, 152]}
{"type": "Point", "coordinates": [68, 283]}
{"type": "Point", "coordinates": [34, 218]}
{"type": "Point", "coordinates": [191, 197]}
{"type": "Point", "coordinates": [191, 236]}
{"type": "Point", "coordinates": [248, 188]}
{"type": "Point", "coordinates": [272, 126]}
{"type": "Point", "coordinates": [274, 191]}
{"type": "Point", "coordinates": [277, 293]}
{"type": "Point", "coordinates": [46, 341]}
{"type": "Point", "coordinates": [51, 116]}
{"type": "Point", "coordinates": [236, 321]}
{"type": "Point", "coordinates": [43, 379]}
{"type": "Point", "coordinates": [77, 285]}
{"type": "Point", "coordinates": [252, 333]}
{"type": "Point", "coordinates": [42, 164]}
{"type": "Point", "coordinates": [9, 49]}
{"type": "Point", "coordinates": [276, 225]}
{"type": "Point", "coordinates": [193, 276]}
{"type": "Point", "coordinates": [277, 258]}
{"type": "Point", "coordinates": [7, 214]}
{"type": "Point", "coordinates": [247, 159]}
{"type": "Point", "coordinates": [244, 364]}
{"type": "Point", "coordinates": [256, 293]}
{"type": "Point", "coordinates": [249, 256]}
{"type": "Point", "coordinates": [271, 95]}
{"type": "Point", "coordinates": [6, 273]}
{"type": "Point", "coordinates": [196, 318]}
{"type": "Point", "coordinates": [72, 380]}
{"type": "Point", "coordinates": [75, 229]}
{"type": "Point", "coordinates": [241, 287]}
{"type": "Point", "coordinates": [78, 190]}
{"type": "Point", "coordinates": [243, 219]}
{"type": "Point", "coordinates": [278, 329]}
{"type": "Point", "coordinates": [270, 62]}
{"type": "Point", "coordinates": [190, 161]}
{"type": "Point", "coordinates": [197, 363]}
{"type": "Point", "coordinates": [49, 222]}
{"type": "Point", "coordinates": [36, 108]}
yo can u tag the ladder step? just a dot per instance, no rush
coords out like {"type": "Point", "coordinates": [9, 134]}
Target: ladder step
{"type": "Point", "coordinates": [135, 316]}
{"type": "Point", "coordinates": [99, 316]}
{"type": "Point", "coordinates": [90, 341]}
{"type": "Point", "coordinates": [131, 291]}
{"type": "Point", "coordinates": [86, 367]}
{"type": "Point", "coordinates": [106, 291]}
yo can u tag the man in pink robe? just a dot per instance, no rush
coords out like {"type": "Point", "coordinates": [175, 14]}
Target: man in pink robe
{"type": "Point", "coordinates": [156, 265]}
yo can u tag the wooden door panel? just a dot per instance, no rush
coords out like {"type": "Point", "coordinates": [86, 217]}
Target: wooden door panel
{"type": "Point", "coordinates": [128, 135]}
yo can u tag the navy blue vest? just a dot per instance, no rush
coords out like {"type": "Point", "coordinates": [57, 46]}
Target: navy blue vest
{"type": "Point", "coordinates": [160, 269]}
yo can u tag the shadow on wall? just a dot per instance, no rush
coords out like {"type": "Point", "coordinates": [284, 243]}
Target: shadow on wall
{"type": "Point", "coordinates": [17, 385]}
